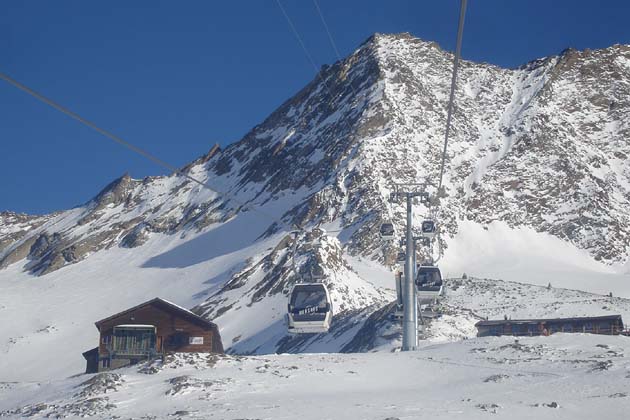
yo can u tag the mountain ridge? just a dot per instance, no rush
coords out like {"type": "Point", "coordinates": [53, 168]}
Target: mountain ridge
{"type": "Point", "coordinates": [389, 84]}
{"type": "Point", "coordinates": [537, 165]}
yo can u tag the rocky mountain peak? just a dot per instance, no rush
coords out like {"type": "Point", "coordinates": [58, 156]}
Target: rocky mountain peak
{"type": "Point", "coordinates": [539, 146]}
{"type": "Point", "coordinates": [541, 149]}
{"type": "Point", "coordinates": [114, 192]}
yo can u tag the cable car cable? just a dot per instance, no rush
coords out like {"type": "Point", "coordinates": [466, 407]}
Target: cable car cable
{"type": "Point", "coordinates": [449, 115]}
{"type": "Point", "coordinates": [458, 50]}
{"type": "Point", "coordinates": [332, 41]}
{"type": "Point", "coordinates": [330, 37]}
{"type": "Point", "coordinates": [137, 149]}
{"type": "Point", "coordinates": [338, 55]}
{"type": "Point", "coordinates": [301, 42]}
{"type": "Point", "coordinates": [318, 72]}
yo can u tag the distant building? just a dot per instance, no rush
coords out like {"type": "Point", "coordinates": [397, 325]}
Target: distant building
{"type": "Point", "coordinates": [609, 324]}
{"type": "Point", "coordinates": [149, 330]}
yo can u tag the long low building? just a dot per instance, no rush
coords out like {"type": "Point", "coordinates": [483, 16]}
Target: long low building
{"type": "Point", "coordinates": [608, 324]}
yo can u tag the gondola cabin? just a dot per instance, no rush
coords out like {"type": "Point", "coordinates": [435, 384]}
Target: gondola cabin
{"type": "Point", "coordinates": [387, 231]}
{"type": "Point", "coordinates": [148, 330]}
{"type": "Point", "coordinates": [309, 309]}
{"type": "Point", "coordinates": [428, 282]}
{"type": "Point", "coordinates": [428, 229]}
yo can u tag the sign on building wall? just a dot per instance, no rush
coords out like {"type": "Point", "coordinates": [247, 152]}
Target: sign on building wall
{"type": "Point", "coordinates": [195, 340]}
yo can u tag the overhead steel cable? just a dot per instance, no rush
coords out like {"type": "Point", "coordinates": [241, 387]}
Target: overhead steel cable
{"type": "Point", "coordinates": [90, 124]}
{"type": "Point", "coordinates": [318, 73]}
{"type": "Point", "coordinates": [449, 115]}
{"type": "Point", "coordinates": [141, 152]}
{"type": "Point", "coordinates": [297, 36]}
{"type": "Point", "coordinates": [332, 41]}
{"type": "Point", "coordinates": [338, 55]}
{"type": "Point", "coordinates": [330, 37]}
{"type": "Point", "coordinates": [458, 50]}
{"type": "Point", "coordinates": [310, 57]}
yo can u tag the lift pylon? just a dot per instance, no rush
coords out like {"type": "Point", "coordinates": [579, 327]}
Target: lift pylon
{"type": "Point", "coordinates": [411, 193]}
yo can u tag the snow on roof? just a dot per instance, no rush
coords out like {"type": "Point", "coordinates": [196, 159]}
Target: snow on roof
{"type": "Point", "coordinates": [156, 300]}
{"type": "Point", "coordinates": [177, 306]}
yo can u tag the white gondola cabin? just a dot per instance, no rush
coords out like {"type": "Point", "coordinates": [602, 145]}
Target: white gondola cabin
{"type": "Point", "coordinates": [310, 309]}
{"type": "Point", "coordinates": [428, 282]}
{"type": "Point", "coordinates": [429, 229]}
{"type": "Point", "coordinates": [387, 231]}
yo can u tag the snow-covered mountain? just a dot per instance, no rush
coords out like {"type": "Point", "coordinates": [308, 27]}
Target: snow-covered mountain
{"type": "Point", "coordinates": [538, 154]}
{"type": "Point", "coordinates": [544, 145]}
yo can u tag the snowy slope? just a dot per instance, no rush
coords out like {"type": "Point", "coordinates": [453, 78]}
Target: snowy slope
{"type": "Point", "coordinates": [537, 187]}
{"type": "Point", "coordinates": [57, 311]}
{"type": "Point", "coordinates": [570, 376]}
{"type": "Point", "coordinates": [521, 254]}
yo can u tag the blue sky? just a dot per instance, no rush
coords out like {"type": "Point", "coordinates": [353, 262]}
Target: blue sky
{"type": "Point", "coordinates": [174, 77]}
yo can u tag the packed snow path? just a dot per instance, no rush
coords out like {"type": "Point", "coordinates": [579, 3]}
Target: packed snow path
{"type": "Point", "coordinates": [572, 376]}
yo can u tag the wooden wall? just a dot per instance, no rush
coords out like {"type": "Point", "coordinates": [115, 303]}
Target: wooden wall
{"type": "Point", "coordinates": [595, 326]}
{"type": "Point", "coordinates": [172, 330]}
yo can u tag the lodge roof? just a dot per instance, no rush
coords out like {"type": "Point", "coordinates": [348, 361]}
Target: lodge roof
{"type": "Point", "coordinates": [487, 323]}
{"type": "Point", "coordinates": [164, 304]}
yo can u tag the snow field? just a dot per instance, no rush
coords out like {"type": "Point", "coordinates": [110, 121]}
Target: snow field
{"type": "Point", "coordinates": [562, 376]}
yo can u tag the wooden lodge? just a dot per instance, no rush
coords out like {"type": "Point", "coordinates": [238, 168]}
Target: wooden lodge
{"type": "Point", "coordinates": [149, 330]}
{"type": "Point", "coordinates": [608, 324]}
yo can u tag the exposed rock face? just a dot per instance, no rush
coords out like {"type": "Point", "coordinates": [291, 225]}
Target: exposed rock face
{"type": "Point", "coordinates": [545, 145]}
{"type": "Point", "coordinates": [317, 258]}
{"type": "Point", "coordinates": [566, 170]}
{"type": "Point", "coordinates": [138, 236]}
{"type": "Point", "coordinates": [14, 236]}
